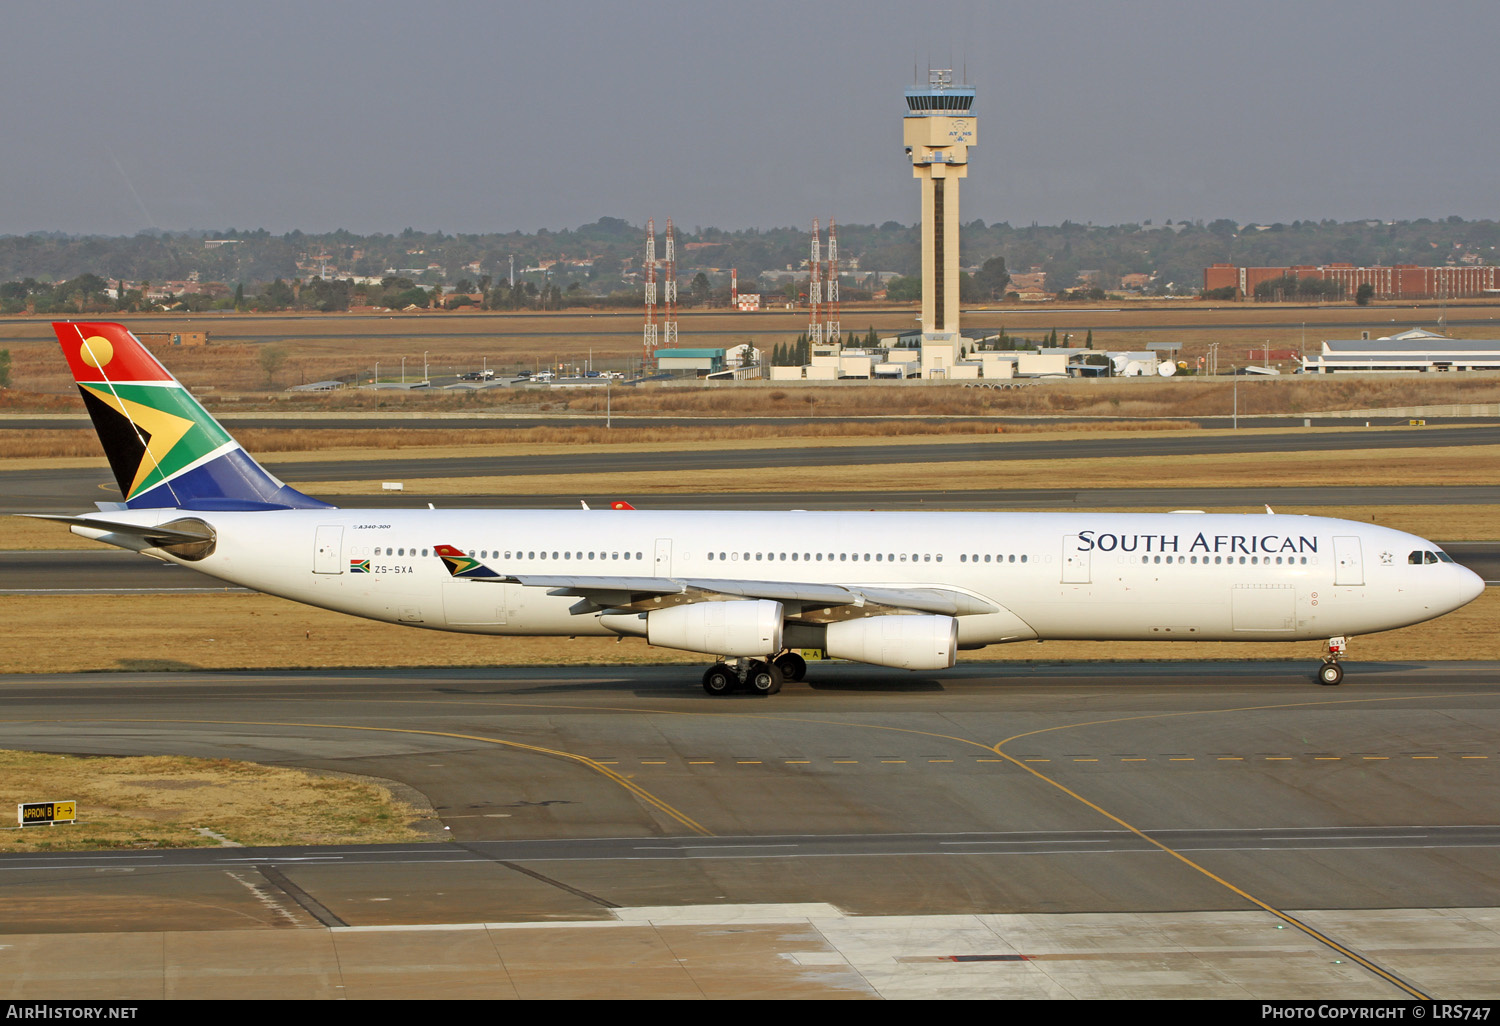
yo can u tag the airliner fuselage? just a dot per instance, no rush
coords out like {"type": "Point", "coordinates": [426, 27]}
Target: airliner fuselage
{"type": "Point", "coordinates": [1102, 576]}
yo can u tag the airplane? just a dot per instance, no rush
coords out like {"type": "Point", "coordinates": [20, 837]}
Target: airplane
{"type": "Point", "coordinates": [747, 588]}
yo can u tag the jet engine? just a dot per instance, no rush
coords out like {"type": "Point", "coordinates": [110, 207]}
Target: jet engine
{"type": "Point", "coordinates": [738, 628]}
{"type": "Point", "coordinates": [905, 642]}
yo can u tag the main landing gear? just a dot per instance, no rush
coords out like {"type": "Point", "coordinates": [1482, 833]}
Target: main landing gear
{"type": "Point", "coordinates": [758, 676]}
{"type": "Point", "coordinates": [1331, 673]}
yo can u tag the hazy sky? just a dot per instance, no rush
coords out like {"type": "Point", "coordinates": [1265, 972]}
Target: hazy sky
{"type": "Point", "coordinates": [469, 116]}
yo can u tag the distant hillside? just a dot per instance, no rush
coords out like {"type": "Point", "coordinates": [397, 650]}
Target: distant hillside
{"type": "Point", "coordinates": [602, 256]}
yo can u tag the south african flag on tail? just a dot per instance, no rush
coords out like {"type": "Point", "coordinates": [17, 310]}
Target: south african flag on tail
{"type": "Point", "coordinates": [164, 448]}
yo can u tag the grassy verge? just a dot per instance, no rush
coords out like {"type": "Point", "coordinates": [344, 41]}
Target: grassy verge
{"type": "Point", "coordinates": [1441, 465]}
{"type": "Point", "coordinates": [163, 801]}
{"type": "Point", "coordinates": [238, 631]}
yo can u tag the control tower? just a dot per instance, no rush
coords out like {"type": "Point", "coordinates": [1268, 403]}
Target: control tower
{"type": "Point", "coordinates": [938, 130]}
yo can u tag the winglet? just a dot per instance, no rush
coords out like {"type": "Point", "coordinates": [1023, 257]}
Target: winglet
{"type": "Point", "coordinates": [461, 565]}
{"type": "Point", "coordinates": [620, 504]}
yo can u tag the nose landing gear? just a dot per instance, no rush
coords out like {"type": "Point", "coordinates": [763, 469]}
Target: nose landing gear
{"type": "Point", "coordinates": [1331, 673]}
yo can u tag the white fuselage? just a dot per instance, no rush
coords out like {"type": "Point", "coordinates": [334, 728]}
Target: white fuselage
{"type": "Point", "coordinates": [1104, 576]}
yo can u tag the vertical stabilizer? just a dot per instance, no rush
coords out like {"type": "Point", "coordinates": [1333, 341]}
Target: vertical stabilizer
{"type": "Point", "coordinates": [164, 448]}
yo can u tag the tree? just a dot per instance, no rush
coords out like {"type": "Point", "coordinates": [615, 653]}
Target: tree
{"type": "Point", "coordinates": [991, 279]}
{"type": "Point", "coordinates": [1364, 294]}
{"type": "Point", "coordinates": [271, 359]}
{"type": "Point", "coordinates": [4, 368]}
{"type": "Point", "coordinates": [699, 290]}
{"type": "Point", "coordinates": [904, 290]}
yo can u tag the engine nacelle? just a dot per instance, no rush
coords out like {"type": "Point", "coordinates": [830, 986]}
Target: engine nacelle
{"type": "Point", "coordinates": [905, 642]}
{"type": "Point", "coordinates": [739, 628]}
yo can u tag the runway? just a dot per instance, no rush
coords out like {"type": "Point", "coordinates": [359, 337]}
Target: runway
{"type": "Point", "coordinates": [1132, 790]}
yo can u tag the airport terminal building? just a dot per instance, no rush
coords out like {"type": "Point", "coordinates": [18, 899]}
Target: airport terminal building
{"type": "Point", "coordinates": [1414, 350]}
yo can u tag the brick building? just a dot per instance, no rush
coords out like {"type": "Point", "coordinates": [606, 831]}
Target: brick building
{"type": "Point", "coordinates": [1401, 281]}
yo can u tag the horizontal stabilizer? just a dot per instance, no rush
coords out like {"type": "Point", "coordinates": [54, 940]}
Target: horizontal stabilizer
{"type": "Point", "coordinates": [179, 532]}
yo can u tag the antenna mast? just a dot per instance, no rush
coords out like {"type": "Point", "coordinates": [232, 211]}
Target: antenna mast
{"type": "Point", "coordinates": [815, 287]}
{"type": "Point", "coordinates": [832, 315]}
{"type": "Point", "coordinates": [649, 341]}
{"type": "Point", "coordinates": [669, 286]}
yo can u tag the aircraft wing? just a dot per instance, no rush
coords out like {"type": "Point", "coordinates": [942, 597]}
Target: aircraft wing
{"type": "Point", "coordinates": [817, 603]}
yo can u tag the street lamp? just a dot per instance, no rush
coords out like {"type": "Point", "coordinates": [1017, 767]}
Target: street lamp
{"type": "Point", "coordinates": [425, 379]}
{"type": "Point", "coordinates": [1236, 372]}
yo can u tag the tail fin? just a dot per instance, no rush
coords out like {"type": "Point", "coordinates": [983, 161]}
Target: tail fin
{"type": "Point", "coordinates": [164, 448]}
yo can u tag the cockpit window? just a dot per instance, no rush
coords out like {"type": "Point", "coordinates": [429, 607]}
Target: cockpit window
{"type": "Point", "coordinates": [1444, 557]}
{"type": "Point", "coordinates": [1415, 557]}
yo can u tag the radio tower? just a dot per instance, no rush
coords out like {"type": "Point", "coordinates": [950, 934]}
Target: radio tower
{"type": "Point", "coordinates": [832, 315]}
{"type": "Point", "coordinates": [815, 287]}
{"type": "Point", "coordinates": [649, 356]}
{"type": "Point", "coordinates": [670, 288]}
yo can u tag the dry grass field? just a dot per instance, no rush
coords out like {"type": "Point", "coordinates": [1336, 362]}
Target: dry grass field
{"type": "Point", "coordinates": [164, 801]}
{"type": "Point", "coordinates": [318, 346]}
{"type": "Point", "coordinates": [1436, 466]}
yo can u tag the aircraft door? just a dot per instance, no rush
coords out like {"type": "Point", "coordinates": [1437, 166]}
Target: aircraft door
{"type": "Point", "coordinates": [328, 550]}
{"type": "Point", "coordinates": [1076, 562]}
{"type": "Point", "coordinates": [663, 565]}
{"type": "Point", "coordinates": [1347, 566]}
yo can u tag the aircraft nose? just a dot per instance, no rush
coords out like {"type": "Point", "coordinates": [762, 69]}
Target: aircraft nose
{"type": "Point", "coordinates": [1470, 586]}
{"type": "Point", "coordinates": [1460, 587]}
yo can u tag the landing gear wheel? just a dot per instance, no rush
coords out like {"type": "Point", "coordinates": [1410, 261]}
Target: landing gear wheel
{"type": "Point", "coordinates": [763, 678]}
{"type": "Point", "coordinates": [719, 679]}
{"type": "Point", "coordinates": [1330, 674]}
{"type": "Point", "coordinates": [792, 666]}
